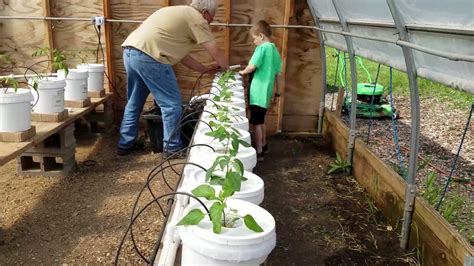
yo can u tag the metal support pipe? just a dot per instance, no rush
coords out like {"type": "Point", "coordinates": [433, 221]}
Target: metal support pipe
{"type": "Point", "coordinates": [447, 55]}
{"type": "Point", "coordinates": [410, 192]}
{"type": "Point", "coordinates": [322, 100]}
{"type": "Point", "coordinates": [353, 112]}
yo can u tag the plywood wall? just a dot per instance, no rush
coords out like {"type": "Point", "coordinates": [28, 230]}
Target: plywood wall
{"type": "Point", "coordinates": [299, 47]}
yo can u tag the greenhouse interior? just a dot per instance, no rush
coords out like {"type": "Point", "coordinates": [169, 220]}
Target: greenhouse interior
{"type": "Point", "coordinates": [220, 132]}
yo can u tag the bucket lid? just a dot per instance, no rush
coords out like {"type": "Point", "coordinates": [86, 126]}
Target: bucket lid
{"type": "Point", "coordinates": [20, 96]}
{"type": "Point", "coordinates": [51, 83]}
{"type": "Point", "coordinates": [235, 236]}
{"type": "Point", "coordinates": [74, 74]}
{"type": "Point", "coordinates": [252, 186]}
{"type": "Point", "coordinates": [92, 67]}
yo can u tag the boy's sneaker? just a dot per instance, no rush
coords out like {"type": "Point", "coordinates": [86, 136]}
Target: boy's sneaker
{"type": "Point", "coordinates": [137, 146]}
{"type": "Point", "coordinates": [265, 148]}
{"type": "Point", "coordinates": [174, 154]}
{"type": "Point", "coordinates": [260, 157]}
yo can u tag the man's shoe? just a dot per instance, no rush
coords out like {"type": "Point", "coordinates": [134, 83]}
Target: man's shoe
{"type": "Point", "coordinates": [137, 146]}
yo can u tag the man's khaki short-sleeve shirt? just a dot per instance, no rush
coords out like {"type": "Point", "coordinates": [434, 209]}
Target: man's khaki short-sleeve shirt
{"type": "Point", "coordinates": [170, 34]}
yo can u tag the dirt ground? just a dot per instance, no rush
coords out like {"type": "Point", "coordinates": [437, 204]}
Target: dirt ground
{"type": "Point", "coordinates": [81, 218]}
{"type": "Point", "coordinates": [321, 219]}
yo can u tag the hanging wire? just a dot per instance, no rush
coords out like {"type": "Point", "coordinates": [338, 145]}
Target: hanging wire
{"type": "Point", "coordinates": [453, 165]}
{"type": "Point", "coordinates": [395, 126]}
{"type": "Point", "coordinates": [372, 104]}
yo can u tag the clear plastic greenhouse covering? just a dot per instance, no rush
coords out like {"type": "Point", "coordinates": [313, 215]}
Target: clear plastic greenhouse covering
{"type": "Point", "coordinates": [443, 25]}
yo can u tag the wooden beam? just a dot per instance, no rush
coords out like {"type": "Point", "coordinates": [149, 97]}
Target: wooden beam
{"type": "Point", "coordinates": [227, 10]}
{"type": "Point", "coordinates": [289, 6]}
{"type": "Point", "coordinates": [48, 30]}
{"type": "Point", "coordinates": [108, 45]}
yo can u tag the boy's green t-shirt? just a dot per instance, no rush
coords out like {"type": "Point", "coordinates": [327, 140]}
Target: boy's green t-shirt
{"type": "Point", "coordinates": [267, 61]}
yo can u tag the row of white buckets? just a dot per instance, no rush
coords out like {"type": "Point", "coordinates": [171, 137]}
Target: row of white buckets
{"type": "Point", "coordinates": [233, 246]}
{"type": "Point", "coordinates": [15, 107]}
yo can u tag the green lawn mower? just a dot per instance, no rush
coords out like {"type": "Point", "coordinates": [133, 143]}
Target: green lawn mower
{"type": "Point", "coordinates": [371, 102]}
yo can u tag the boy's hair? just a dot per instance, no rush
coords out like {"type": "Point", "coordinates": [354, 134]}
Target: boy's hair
{"type": "Point", "coordinates": [261, 27]}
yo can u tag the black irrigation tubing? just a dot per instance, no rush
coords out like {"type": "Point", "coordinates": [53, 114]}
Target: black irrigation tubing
{"type": "Point", "coordinates": [117, 256]}
{"type": "Point", "coordinates": [371, 104]}
{"type": "Point", "coordinates": [453, 166]}
{"type": "Point", "coordinates": [335, 80]}
{"type": "Point", "coordinates": [149, 179]}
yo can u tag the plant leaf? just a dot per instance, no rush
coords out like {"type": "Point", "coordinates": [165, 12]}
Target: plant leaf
{"type": "Point", "coordinates": [205, 191]}
{"type": "Point", "coordinates": [194, 217]}
{"type": "Point", "coordinates": [252, 224]}
{"type": "Point", "coordinates": [216, 216]}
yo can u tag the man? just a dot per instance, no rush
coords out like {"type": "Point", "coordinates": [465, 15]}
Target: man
{"type": "Point", "coordinates": [162, 40]}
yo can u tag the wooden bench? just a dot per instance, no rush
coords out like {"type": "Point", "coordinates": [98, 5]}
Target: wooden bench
{"type": "Point", "coordinates": [51, 151]}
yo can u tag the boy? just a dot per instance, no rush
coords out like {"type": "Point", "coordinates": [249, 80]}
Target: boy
{"type": "Point", "coordinates": [265, 65]}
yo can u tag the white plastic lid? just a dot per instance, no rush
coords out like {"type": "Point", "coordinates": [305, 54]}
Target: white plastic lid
{"type": "Point", "coordinates": [92, 67]}
{"type": "Point", "coordinates": [21, 96]}
{"type": "Point", "coordinates": [51, 83]}
{"type": "Point", "coordinates": [233, 244]}
{"type": "Point", "coordinates": [73, 74]}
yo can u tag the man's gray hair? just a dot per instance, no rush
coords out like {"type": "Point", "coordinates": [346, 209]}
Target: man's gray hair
{"type": "Point", "coordinates": [204, 5]}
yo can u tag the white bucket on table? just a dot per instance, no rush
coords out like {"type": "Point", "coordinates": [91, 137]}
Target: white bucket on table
{"type": "Point", "coordinates": [76, 84]}
{"type": "Point", "coordinates": [15, 110]}
{"type": "Point", "coordinates": [51, 96]}
{"type": "Point", "coordinates": [95, 81]}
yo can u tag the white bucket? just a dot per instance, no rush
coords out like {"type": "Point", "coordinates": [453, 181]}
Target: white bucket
{"type": "Point", "coordinates": [233, 246]}
{"type": "Point", "coordinates": [236, 121]}
{"type": "Point", "coordinates": [95, 82]}
{"type": "Point", "coordinates": [51, 96]}
{"type": "Point", "coordinates": [201, 138]}
{"type": "Point", "coordinates": [237, 102]}
{"type": "Point", "coordinates": [76, 84]}
{"type": "Point", "coordinates": [15, 110]}
{"type": "Point", "coordinates": [205, 157]}
{"type": "Point", "coordinates": [251, 190]}
{"type": "Point", "coordinates": [232, 110]}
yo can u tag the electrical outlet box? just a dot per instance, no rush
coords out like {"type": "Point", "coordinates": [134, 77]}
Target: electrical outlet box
{"type": "Point", "coordinates": [98, 21]}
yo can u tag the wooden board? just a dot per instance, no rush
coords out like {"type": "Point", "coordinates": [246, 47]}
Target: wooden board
{"type": "Point", "coordinates": [441, 244]}
{"type": "Point", "coordinates": [19, 38]}
{"type": "Point", "coordinates": [9, 151]}
{"type": "Point", "coordinates": [303, 74]}
{"type": "Point", "coordinates": [76, 36]}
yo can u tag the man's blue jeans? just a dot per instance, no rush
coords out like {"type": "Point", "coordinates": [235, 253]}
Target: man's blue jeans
{"type": "Point", "coordinates": [145, 75]}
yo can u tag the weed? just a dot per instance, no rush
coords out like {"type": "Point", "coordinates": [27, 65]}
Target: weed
{"type": "Point", "coordinates": [340, 165]}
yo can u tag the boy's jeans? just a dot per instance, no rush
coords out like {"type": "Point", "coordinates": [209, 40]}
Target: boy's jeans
{"type": "Point", "coordinates": [145, 75]}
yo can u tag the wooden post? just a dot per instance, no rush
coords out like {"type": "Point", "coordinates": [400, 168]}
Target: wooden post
{"type": "Point", "coordinates": [340, 101]}
{"type": "Point", "coordinates": [289, 5]}
{"type": "Point", "coordinates": [109, 45]}
{"type": "Point", "coordinates": [227, 10]}
{"type": "Point", "coordinates": [48, 27]}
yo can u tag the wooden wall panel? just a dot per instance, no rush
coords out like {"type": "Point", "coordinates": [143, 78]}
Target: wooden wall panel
{"type": "Point", "coordinates": [303, 76]}
{"type": "Point", "coordinates": [18, 38]}
{"type": "Point", "coordinates": [74, 36]}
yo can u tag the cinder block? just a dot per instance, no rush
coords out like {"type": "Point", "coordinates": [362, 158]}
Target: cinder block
{"type": "Point", "coordinates": [59, 166]}
{"type": "Point", "coordinates": [64, 139]}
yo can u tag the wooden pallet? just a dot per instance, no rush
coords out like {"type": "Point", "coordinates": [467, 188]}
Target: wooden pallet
{"type": "Point", "coordinates": [19, 136]}
{"type": "Point", "coordinates": [56, 117]}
